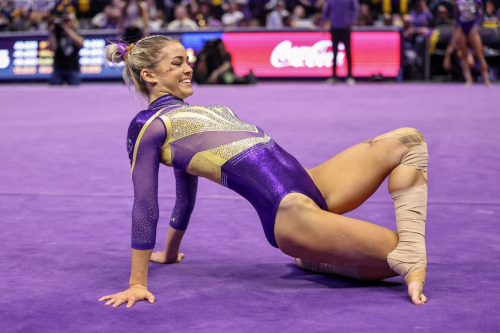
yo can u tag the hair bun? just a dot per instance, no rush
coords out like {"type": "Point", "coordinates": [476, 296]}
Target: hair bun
{"type": "Point", "coordinates": [112, 54]}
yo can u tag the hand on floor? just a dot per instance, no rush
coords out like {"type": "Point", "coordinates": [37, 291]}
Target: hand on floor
{"type": "Point", "coordinates": [129, 296]}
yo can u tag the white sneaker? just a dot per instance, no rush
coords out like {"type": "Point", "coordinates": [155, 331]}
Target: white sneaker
{"type": "Point", "coordinates": [350, 81]}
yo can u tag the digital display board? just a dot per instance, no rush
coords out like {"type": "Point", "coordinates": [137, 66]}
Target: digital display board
{"type": "Point", "coordinates": [269, 54]}
{"type": "Point", "coordinates": [310, 54]}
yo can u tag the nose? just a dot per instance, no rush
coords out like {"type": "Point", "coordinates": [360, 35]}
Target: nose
{"type": "Point", "coordinates": [187, 69]}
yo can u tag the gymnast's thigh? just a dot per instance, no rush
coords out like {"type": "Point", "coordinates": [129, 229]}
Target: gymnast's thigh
{"type": "Point", "coordinates": [351, 177]}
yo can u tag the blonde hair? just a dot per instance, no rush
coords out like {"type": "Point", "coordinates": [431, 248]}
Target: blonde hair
{"type": "Point", "coordinates": [145, 54]}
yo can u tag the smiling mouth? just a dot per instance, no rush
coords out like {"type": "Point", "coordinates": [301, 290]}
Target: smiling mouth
{"type": "Point", "coordinates": [186, 81]}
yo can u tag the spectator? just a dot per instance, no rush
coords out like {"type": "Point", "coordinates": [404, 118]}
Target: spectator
{"type": "Point", "coordinates": [134, 20]}
{"type": "Point", "coordinates": [66, 43]}
{"type": "Point", "coordinates": [107, 19]}
{"type": "Point", "coordinates": [410, 69]}
{"type": "Point", "coordinates": [442, 18]}
{"type": "Point", "coordinates": [22, 21]}
{"type": "Point", "coordinates": [341, 14]}
{"type": "Point", "coordinates": [210, 19]}
{"type": "Point", "coordinates": [4, 22]}
{"type": "Point", "coordinates": [213, 66]}
{"type": "Point", "coordinates": [233, 16]}
{"type": "Point", "coordinates": [182, 21]}
{"type": "Point", "coordinates": [275, 18]}
{"type": "Point", "coordinates": [7, 9]}
{"type": "Point", "coordinates": [299, 19]}
{"type": "Point", "coordinates": [385, 20]}
{"type": "Point", "coordinates": [169, 7]}
{"type": "Point", "coordinates": [489, 12]}
{"type": "Point", "coordinates": [421, 15]}
{"type": "Point", "coordinates": [157, 20]}
{"type": "Point", "coordinates": [365, 17]}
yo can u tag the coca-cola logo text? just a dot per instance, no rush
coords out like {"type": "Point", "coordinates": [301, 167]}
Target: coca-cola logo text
{"type": "Point", "coordinates": [319, 55]}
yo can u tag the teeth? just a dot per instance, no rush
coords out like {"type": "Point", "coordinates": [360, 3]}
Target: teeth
{"type": "Point", "coordinates": [186, 81]}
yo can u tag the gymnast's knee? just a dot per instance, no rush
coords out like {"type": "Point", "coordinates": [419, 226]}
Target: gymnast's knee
{"type": "Point", "coordinates": [417, 155]}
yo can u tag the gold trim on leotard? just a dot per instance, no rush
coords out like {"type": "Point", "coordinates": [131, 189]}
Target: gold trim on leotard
{"type": "Point", "coordinates": [139, 137]}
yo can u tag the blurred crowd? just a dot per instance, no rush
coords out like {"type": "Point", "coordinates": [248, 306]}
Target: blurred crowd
{"type": "Point", "coordinates": [415, 17]}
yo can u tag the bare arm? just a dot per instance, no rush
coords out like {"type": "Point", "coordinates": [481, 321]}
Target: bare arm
{"type": "Point", "coordinates": [145, 161]}
{"type": "Point", "coordinates": [76, 38]}
{"type": "Point", "coordinates": [52, 41]}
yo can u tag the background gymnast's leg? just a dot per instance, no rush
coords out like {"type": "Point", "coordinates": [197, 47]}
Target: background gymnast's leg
{"type": "Point", "coordinates": [477, 48]}
{"type": "Point", "coordinates": [346, 181]}
{"type": "Point", "coordinates": [461, 42]}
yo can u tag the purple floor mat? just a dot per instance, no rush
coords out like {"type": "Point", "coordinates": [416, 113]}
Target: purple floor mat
{"type": "Point", "coordinates": [66, 198]}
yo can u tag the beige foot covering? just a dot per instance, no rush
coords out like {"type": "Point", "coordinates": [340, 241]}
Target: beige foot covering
{"type": "Point", "coordinates": [409, 259]}
{"type": "Point", "coordinates": [318, 267]}
{"type": "Point", "coordinates": [410, 254]}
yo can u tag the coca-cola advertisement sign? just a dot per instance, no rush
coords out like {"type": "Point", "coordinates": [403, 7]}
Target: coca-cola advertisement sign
{"type": "Point", "coordinates": [310, 54]}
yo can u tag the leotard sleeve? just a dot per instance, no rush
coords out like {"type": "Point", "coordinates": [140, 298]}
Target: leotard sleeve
{"type": "Point", "coordinates": [145, 212]}
{"type": "Point", "coordinates": [186, 186]}
{"type": "Point", "coordinates": [145, 178]}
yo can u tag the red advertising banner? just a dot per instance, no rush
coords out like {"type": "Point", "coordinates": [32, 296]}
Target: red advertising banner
{"type": "Point", "coordinates": [309, 54]}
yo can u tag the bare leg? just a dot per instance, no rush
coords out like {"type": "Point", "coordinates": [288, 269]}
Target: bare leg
{"type": "Point", "coordinates": [461, 42]}
{"type": "Point", "coordinates": [477, 47]}
{"type": "Point", "coordinates": [346, 181]}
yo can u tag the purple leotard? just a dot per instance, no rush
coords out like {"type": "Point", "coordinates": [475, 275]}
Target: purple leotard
{"type": "Point", "coordinates": [211, 142]}
{"type": "Point", "coordinates": [468, 13]}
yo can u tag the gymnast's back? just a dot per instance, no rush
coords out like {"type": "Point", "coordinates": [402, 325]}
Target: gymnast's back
{"type": "Point", "coordinates": [194, 139]}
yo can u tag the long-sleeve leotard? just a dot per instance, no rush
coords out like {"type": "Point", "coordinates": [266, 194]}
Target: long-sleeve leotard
{"type": "Point", "coordinates": [211, 142]}
{"type": "Point", "coordinates": [194, 140]}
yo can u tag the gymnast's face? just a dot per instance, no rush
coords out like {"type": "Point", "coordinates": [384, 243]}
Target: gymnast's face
{"type": "Point", "coordinates": [173, 73]}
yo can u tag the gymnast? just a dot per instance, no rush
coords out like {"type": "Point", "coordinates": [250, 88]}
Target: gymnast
{"type": "Point", "coordinates": [468, 16]}
{"type": "Point", "coordinates": [300, 209]}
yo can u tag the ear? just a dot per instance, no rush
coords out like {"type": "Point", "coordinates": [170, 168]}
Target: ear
{"type": "Point", "coordinates": [148, 76]}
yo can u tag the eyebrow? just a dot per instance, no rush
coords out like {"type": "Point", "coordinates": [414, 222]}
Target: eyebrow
{"type": "Point", "coordinates": [182, 58]}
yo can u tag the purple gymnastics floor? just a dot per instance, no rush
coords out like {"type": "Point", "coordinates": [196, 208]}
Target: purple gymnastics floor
{"type": "Point", "coordinates": [66, 198]}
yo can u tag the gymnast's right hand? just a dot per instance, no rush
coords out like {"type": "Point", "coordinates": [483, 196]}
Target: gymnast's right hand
{"type": "Point", "coordinates": [133, 294]}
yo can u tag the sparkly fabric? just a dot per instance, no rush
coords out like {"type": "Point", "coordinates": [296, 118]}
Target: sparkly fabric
{"type": "Point", "coordinates": [145, 211]}
{"type": "Point", "coordinates": [468, 14]}
{"type": "Point", "coordinates": [264, 174]}
{"type": "Point", "coordinates": [207, 141]}
{"type": "Point", "coordinates": [186, 186]}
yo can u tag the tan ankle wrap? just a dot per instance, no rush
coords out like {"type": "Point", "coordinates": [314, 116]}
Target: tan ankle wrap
{"type": "Point", "coordinates": [411, 210]}
{"type": "Point", "coordinates": [417, 157]}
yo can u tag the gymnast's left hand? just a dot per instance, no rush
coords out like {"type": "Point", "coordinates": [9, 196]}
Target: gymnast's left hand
{"type": "Point", "coordinates": [133, 294]}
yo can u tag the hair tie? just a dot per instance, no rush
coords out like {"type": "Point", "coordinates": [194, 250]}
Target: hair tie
{"type": "Point", "coordinates": [124, 50]}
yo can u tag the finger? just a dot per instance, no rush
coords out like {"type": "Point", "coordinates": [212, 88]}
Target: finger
{"type": "Point", "coordinates": [130, 303]}
{"type": "Point", "coordinates": [118, 303]}
{"type": "Point", "coordinates": [105, 298]}
{"type": "Point", "coordinates": [150, 297]}
{"type": "Point", "coordinates": [110, 301]}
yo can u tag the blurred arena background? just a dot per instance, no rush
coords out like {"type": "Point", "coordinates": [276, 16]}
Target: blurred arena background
{"type": "Point", "coordinates": [396, 40]}
{"type": "Point", "coordinates": [66, 194]}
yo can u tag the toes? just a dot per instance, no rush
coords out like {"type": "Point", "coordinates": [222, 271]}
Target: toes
{"type": "Point", "coordinates": [416, 300]}
{"type": "Point", "coordinates": [297, 262]}
{"type": "Point", "coordinates": [423, 298]}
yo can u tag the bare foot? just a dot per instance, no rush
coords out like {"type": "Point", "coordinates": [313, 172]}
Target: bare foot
{"type": "Point", "coordinates": [468, 83]}
{"type": "Point", "coordinates": [161, 258]}
{"type": "Point", "coordinates": [415, 281]}
{"type": "Point", "coordinates": [304, 264]}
